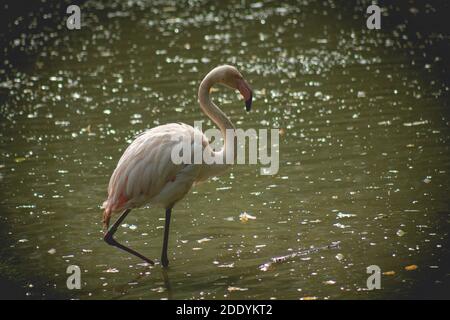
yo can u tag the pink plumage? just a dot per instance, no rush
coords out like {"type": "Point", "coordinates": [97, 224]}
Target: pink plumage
{"type": "Point", "coordinates": [146, 174]}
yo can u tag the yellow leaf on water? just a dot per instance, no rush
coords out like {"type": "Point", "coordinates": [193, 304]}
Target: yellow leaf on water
{"type": "Point", "coordinates": [389, 273]}
{"type": "Point", "coordinates": [309, 298]}
{"type": "Point", "coordinates": [411, 267]}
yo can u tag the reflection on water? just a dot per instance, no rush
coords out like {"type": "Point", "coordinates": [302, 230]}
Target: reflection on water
{"type": "Point", "coordinates": [364, 151]}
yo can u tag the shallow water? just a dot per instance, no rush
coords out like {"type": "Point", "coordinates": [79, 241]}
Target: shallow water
{"type": "Point", "coordinates": [364, 152]}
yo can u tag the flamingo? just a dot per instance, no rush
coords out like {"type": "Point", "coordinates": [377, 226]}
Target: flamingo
{"type": "Point", "coordinates": [145, 173]}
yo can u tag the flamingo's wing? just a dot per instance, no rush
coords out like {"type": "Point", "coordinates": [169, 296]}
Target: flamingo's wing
{"type": "Point", "coordinates": [146, 167]}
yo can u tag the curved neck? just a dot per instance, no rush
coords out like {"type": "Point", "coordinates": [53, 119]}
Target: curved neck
{"type": "Point", "coordinates": [210, 109]}
{"type": "Point", "coordinates": [215, 114]}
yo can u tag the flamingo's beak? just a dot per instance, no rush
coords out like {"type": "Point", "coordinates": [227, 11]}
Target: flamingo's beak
{"type": "Point", "coordinates": [246, 92]}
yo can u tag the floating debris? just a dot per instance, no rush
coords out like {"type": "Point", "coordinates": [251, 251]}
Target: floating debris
{"type": "Point", "coordinates": [411, 267]}
{"type": "Point", "coordinates": [400, 233]}
{"type": "Point", "coordinates": [427, 180]}
{"type": "Point", "coordinates": [223, 188]}
{"type": "Point", "coordinates": [268, 265]}
{"type": "Point", "coordinates": [389, 273]}
{"type": "Point", "coordinates": [86, 250]}
{"type": "Point", "coordinates": [329, 282]}
{"type": "Point", "coordinates": [361, 94]}
{"type": "Point", "coordinates": [244, 217]}
{"type": "Point", "coordinates": [341, 215]}
{"type": "Point", "coordinates": [340, 225]}
{"type": "Point", "coordinates": [415, 123]}
{"type": "Point", "coordinates": [144, 264]}
{"type": "Point", "coordinates": [231, 289]}
{"type": "Point", "coordinates": [339, 256]}
{"type": "Point", "coordinates": [129, 226]}
{"type": "Point", "coordinates": [230, 265]}
{"type": "Point", "coordinates": [52, 251]}
{"type": "Point", "coordinates": [309, 298]}
{"type": "Point", "coordinates": [203, 240]}
{"type": "Point", "coordinates": [111, 270]}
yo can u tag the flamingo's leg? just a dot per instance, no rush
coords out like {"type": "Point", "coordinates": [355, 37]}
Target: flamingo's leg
{"type": "Point", "coordinates": [164, 259]}
{"type": "Point", "coordinates": [108, 237]}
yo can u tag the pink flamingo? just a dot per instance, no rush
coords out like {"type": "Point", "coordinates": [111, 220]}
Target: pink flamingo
{"type": "Point", "coordinates": [145, 173]}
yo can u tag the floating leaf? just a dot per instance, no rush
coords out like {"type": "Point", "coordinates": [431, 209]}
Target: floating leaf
{"type": "Point", "coordinates": [309, 298]}
{"type": "Point", "coordinates": [389, 273]}
{"type": "Point", "coordinates": [411, 267]}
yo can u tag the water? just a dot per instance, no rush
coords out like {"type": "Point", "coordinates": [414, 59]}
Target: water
{"type": "Point", "coordinates": [364, 151]}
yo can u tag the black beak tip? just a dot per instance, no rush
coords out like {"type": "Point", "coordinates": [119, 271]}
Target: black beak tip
{"type": "Point", "coordinates": [248, 104]}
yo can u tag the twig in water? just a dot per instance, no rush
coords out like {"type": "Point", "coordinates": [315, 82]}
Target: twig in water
{"type": "Point", "coordinates": [267, 265]}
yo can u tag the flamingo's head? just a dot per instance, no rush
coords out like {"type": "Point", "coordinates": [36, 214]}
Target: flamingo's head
{"type": "Point", "coordinates": [231, 77]}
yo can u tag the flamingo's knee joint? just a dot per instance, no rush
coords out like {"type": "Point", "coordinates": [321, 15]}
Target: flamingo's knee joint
{"type": "Point", "coordinates": [108, 238]}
